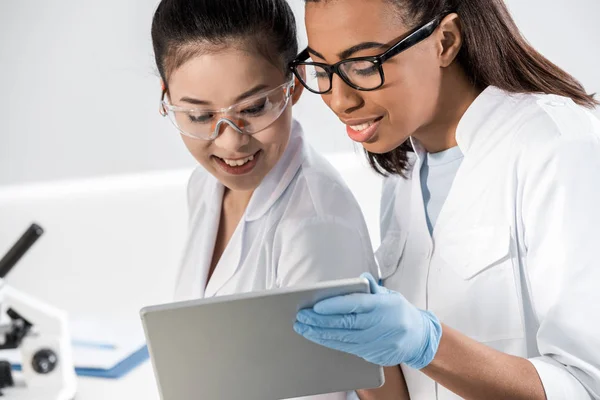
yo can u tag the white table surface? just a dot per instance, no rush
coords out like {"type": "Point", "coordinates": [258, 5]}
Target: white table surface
{"type": "Point", "coordinates": [138, 384]}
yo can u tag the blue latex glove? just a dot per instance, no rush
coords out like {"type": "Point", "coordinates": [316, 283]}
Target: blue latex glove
{"type": "Point", "coordinates": [381, 327]}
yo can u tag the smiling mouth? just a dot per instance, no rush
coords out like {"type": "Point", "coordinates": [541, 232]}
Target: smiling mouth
{"type": "Point", "coordinates": [364, 125]}
{"type": "Point", "coordinates": [240, 166]}
{"type": "Point", "coordinates": [238, 162]}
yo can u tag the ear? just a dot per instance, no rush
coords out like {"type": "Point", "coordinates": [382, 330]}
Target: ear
{"type": "Point", "coordinates": [163, 88]}
{"type": "Point", "coordinates": [298, 86]}
{"type": "Point", "coordinates": [163, 92]}
{"type": "Point", "coordinates": [449, 39]}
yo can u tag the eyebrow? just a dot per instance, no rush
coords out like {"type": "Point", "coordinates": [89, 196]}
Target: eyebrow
{"type": "Point", "coordinates": [243, 96]}
{"type": "Point", "coordinates": [316, 53]}
{"type": "Point", "coordinates": [196, 102]}
{"type": "Point", "coordinates": [256, 89]}
{"type": "Point", "coordinates": [354, 49]}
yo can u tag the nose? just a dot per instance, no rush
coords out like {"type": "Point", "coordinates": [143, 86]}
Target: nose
{"type": "Point", "coordinates": [342, 98]}
{"type": "Point", "coordinates": [230, 139]}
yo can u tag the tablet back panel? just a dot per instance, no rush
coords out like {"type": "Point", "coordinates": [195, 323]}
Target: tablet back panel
{"type": "Point", "coordinates": [244, 347]}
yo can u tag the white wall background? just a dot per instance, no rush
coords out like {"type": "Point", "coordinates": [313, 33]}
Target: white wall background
{"type": "Point", "coordinates": [80, 92]}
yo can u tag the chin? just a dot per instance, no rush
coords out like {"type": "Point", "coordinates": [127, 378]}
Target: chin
{"type": "Point", "coordinates": [383, 143]}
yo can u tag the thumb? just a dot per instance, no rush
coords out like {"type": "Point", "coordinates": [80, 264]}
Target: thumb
{"type": "Point", "coordinates": [373, 285]}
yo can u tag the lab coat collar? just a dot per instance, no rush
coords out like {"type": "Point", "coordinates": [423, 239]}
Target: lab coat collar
{"type": "Point", "coordinates": [419, 151]}
{"type": "Point", "coordinates": [474, 132]}
{"type": "Point", "coordinates": [279, 178]}
{"type": "Point", "coordinates": [478, 133]}
{"type": "Point", "coordinates": [477, 117]}
{"type": "Point", "coordinates": [473, 121]}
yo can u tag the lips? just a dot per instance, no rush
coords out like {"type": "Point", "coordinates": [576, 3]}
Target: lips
{"type": "Point", "coordinates": [240, 166]}
{"type": "Point", "coordinates": [362, 130]}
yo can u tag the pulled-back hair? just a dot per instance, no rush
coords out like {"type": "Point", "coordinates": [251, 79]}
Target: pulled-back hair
{"type": "Point", "coordinates": [182, 29]}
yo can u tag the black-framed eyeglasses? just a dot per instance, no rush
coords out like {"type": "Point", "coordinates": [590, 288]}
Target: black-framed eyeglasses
{"type": "Point", "coordinates": [360, 73]}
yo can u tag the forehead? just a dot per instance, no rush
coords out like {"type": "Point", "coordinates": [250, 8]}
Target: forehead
{"type": "Point", "coordinates": [335, 25]}
{"type": "Point", "coordinates": [220, 76]}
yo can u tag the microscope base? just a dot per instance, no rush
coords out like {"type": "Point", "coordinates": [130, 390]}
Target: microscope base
{"type": "Point", "coordinates": [21, 392]}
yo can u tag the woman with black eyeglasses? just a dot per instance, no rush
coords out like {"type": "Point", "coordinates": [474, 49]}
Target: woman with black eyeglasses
{"type": "Point", "coordinates": [489, 211]}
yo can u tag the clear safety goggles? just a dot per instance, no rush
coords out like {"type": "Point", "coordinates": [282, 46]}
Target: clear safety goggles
{"type": "Point", "coordinates": [250, 116]}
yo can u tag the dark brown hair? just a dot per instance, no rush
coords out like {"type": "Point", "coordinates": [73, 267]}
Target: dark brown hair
{"type": "Point", "coordinates": [182, 29]}
{"type": "Point", "coordinates": [493, 53]}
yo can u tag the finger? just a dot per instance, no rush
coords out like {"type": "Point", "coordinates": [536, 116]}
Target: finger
{"type": "Point", "coordinates": [339, 346]}
{"type": "Point", "coordinates": [374, 287]}
{"type": "Point", "coordinates": [331, 344]}
{"type": "Point", "coordinates": [316, 334]}
{"type": "Point", "coordinates": [372, 282]}
{"type": "Point", "coordinates": [350, 303]}
{"type": "Point", "coordinates": [340, 321]}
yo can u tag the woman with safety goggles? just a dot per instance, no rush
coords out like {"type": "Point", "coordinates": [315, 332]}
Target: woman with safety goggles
{"type": "Point", "coordinates": [265, 210]}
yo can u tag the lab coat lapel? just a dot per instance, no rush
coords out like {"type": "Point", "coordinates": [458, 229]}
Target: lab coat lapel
{"type": "Point", "coordinates": [229, 262]}
{"type": "Point", "coordinates": [405, 221]}
{"type": "Point", "coordinates": [418, 222]}
{"type": "Point", "coordinates": [411, 218]}
{"type": "Point", "coordinates": [201, 242]}
{"type": "Point", "coordinates": [263, 199]}
{"type": "Point", "coordinates": [419, 242]}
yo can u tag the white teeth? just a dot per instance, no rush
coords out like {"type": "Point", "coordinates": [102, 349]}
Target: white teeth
{"type": "Point", "coordinates": [363, 126]}
{"type": "Point", "coordinates": [238, 163]}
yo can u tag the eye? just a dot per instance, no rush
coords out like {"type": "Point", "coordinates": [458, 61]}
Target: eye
{"type": "Point", "coordinates": [201, 118]}
{"type": "Point", "coordinates": [255, 109]}
{"type": "Point", "coordinates": [366, 71]}
{"type": "Point", "coordinates": [320, 74]}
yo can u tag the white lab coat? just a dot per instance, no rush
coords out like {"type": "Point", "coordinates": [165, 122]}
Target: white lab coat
{"type": "Point", "coordinates": [513, 261]}
{"type": "Point", "coordinates": [302, 225]}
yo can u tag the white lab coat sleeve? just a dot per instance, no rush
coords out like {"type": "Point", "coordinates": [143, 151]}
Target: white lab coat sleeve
{"type": "Point", "coordinates": [319, 249]}
{"type": "Point", "coordinates": [561, 217]}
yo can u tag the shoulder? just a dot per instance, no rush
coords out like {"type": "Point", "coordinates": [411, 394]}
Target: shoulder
{"type": "Point", "coordinates": [547, 118]}
{"type": "Point", "coordinates": [319, 189]}
{"type": "Point", "coordinates": [555, 127]}
{"type": "Point", "coordinates": [556, 144]}
{"type": "Point", "coordinates": [318, 200]}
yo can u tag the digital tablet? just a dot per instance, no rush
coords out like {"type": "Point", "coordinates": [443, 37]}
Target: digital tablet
{"type": "Point", "coordinates": [244, 347]}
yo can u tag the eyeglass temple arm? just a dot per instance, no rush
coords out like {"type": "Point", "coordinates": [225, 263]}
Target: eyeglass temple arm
{"type": "Point", "coordinates": [415, 37]}
{"type": "Point", "coordinates": [303, 56]}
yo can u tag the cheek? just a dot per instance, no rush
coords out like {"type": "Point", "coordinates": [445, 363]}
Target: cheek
{"type": "Point", "coordinates": [326, 99]}
{"type": "Point", "coordinates": [274, 139]}
{"type": "Point", "coordinates": [411, 91]}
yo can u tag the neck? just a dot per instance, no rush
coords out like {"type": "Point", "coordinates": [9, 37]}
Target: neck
{"type": "Point", "coordinates": [456, 95]}
{"type": "Point", "coordinates": [236, 200]}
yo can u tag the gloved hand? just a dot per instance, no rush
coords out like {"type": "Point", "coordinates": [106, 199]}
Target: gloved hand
{"type": "Point", "coordinates": [381, 327]}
